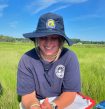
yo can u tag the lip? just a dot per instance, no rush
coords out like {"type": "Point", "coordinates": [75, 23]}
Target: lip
{"type": "Point", "coordinates": [49, 48]}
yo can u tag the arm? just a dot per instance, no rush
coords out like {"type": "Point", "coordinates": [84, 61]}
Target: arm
{"type": "Point", "coordinates": [71, 82]}
{"type": "Point", "coordinates": [26, 84]}
{"type": "Point", "coordinates": [65, 99]}
{"type": "Point", "coordinates": [30, 99]}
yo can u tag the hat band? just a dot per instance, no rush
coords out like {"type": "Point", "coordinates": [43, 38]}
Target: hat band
{"type": "Point", "coordinates": [50, 30]}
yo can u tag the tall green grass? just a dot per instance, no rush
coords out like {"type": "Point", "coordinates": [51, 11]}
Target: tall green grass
{"type": "Point", "coordinates": [92, 66]}
{"type": "Point", "coordinates": [10, 54]}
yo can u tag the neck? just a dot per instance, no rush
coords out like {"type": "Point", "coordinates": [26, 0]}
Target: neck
{"type": "Point", "coordinates": [51, 58]}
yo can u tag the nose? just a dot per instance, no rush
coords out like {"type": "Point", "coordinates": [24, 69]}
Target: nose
{"type": "Point", "coordinates": [48, 41]}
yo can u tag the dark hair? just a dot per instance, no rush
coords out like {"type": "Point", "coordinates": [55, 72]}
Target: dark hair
{"type": "Point", "coordinates": [61, 40]}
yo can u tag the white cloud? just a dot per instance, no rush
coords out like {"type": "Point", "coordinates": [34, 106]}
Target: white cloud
{"type": "Point", "coordinates": [72, 1]}
{"type": "Point", "coordinates": [13, 24]}
{"type": "Point", "coordinates": [39, 5]}
{"type": "Point", "coordinates": [61, 7]}
{"type": "Point", "coordinates": [84, 17]}
{"type": "Point", "coordinates": [2, 7]}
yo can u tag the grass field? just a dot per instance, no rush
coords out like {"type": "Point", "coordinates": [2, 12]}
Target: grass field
{"type": "Point", "coordinates": [92, 66]}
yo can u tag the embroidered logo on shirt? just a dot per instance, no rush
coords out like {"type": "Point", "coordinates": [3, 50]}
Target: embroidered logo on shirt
{"type": "Point", "coordinates": [50, 23]}
{"type": "Point", "coordinates": [59, 71]}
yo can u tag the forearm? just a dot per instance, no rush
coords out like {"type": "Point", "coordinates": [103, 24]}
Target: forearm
{"type": "Point", "coordinates": [65, 99]}
{"type": "Point", "coordinates": [30, 101]}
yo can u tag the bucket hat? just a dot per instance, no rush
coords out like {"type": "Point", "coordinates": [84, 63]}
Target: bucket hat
{"type": "Point", "coordinates": [49, 24]}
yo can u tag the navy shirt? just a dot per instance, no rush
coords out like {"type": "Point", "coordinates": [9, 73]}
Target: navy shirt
{"type": "Point", "coordinates": [48, 79]}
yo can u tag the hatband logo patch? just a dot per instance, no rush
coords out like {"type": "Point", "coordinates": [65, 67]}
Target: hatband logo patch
{"type": "Point", "coordinates": [59, 71]}
{"type": "Point", "coordinates": [50, 23]}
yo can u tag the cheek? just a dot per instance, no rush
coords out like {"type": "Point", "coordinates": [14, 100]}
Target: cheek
{"type": "Point", "coordinates": [58, 43]}
{"type": "Point", "coordinates": [41, 43]}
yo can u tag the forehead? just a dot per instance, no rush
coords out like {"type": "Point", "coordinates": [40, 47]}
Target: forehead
{"type": "Point", "coordinates": [52, 36]}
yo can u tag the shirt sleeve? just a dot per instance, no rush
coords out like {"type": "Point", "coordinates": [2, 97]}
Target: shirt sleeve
{"type": "Point", "coordinates": [71, 80]}
{"type": "Point", "coordinates": [25, 81]}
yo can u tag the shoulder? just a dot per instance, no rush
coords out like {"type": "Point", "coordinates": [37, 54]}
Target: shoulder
{"type": "Point", "coordinates": [67, 56]}
{"type": "Point", "coordinates": [28, 57]}
{"type": "Point", "coordinates": [30, 54]}
{"type": "Point", "coordinates": [68, 53]}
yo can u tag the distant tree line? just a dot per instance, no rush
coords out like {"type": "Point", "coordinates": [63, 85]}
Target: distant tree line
{"type": "Point", "coordinates": [76, 41]}
{"type": "Point", "coordinates": [87, 42]}
{"type": "Point", "coordinates": [12, 39]}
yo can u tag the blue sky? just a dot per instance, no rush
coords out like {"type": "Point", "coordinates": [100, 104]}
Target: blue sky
{"type": "Point", "coordinates": [83, 19]}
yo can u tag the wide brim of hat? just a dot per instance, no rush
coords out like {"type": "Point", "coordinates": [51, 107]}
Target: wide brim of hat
{"type": "Point", "coordinates": [44, 33]}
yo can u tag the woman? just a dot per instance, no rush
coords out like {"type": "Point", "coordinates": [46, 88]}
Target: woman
{"type": "Point", "coordinates": [48, 76]}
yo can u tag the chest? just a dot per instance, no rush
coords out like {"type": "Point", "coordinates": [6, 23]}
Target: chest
{"type": "Point", "coordinates": [50, 74]}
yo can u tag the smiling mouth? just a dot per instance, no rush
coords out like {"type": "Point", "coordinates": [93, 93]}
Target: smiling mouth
{"type": "Point", "coordinates": [49, 48]}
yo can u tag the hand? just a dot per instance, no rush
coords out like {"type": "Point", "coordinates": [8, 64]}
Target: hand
{"type": "Point", "coordinates": [46, 104]}
{"type": "Point", "coordinates": [35, 107]}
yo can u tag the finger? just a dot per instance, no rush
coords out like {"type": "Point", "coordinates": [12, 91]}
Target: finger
{"type": "Point", "coordinates": [43, 106]}
{"type": "Point", "coordinates": [45, 101]}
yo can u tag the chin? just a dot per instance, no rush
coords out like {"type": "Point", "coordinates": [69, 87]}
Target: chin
{"type": "Point", "coordinates": [49, 54]}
